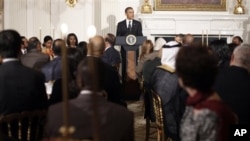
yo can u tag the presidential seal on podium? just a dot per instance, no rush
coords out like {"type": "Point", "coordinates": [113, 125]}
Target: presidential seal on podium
{"type": "Point", "coordinates": [131, 39]}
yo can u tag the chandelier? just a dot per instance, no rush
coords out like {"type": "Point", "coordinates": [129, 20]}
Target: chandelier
{"type": "Point", "coordinates": [71, 3]}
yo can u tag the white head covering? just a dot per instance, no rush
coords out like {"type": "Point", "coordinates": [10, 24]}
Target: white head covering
{"type": "Point", "coordinates": [159, 43]}
{"type": "Point", "coordinates": [169, 54]}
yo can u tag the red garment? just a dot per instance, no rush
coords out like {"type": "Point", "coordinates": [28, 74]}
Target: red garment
{"type": "Point", "coordinates": [225, 114]}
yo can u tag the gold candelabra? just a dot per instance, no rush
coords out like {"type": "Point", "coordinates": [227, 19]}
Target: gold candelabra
{"type": "Point", "coordinates": [146, 7]}
{"type": "Point", "coordinates": [239, 8]}
{"type": "Point", "coordinates": [71, 3]}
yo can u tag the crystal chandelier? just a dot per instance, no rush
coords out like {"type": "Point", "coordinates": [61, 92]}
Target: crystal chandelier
{"type": "Point", "coordinates": [71, 3]}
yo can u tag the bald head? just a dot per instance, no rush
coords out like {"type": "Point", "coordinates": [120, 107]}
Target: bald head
{"type": "Point", "coordinates": [96, 46]}
{"type": "Point", "coordinates": [241, 57]}
{"type": "Point", "coordinates": [188, 39]}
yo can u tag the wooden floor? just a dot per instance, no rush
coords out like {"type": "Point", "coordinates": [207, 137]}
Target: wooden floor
{"type": "Point", "coordinates": [140, 122]}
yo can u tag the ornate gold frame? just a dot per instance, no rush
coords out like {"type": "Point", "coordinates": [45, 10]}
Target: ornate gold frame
{"type": "Point", "coordinates": [160, 6]}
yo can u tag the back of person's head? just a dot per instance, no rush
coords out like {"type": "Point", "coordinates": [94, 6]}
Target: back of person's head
{"type": "Point", "coordinates": [10, 43]}
{"type": "Point", "coordinates": [179, 38]}
{"type": "Point", "coordinates": [159, 43]}
{"type": "Point", "coordinates": [241, 56]}
{"type": "Point", "coordinates": [196, 67]}
{"type": "Point", "coordinates": [82, 46]}
{"type": "Point", "coordinates": [146, 48]}
{"type": "Point", "coordinates": [90, 74]}
{"type": "Point", "coordinates": [46, 39]}
{"type": "Point", "coordinates": [169, 52]}
{"type": "Point", "coordinates": [68, 39]}
{"type": "Point", "coordinates": [57, 46]}
{"type": "Point", "coordinates": [96, 46]}
{"type": "Point", "coordinates": [34, 43]}
{"type": "Point", "coordinates": [221, 50]}
{"type": "Point", "coordinates": [110, 38]}
{"type": "Point", "coordinates": [188, 39]}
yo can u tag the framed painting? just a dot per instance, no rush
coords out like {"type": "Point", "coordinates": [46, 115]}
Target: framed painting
{"type": "Point", "coordinates": [190, 5]}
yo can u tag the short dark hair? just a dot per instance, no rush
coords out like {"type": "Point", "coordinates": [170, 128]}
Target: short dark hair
{"type": "Point", "coordinates": [57, 48]}
{"type": "Point", "coordinates": [32, 43]}
{"type": "Point", "coordinates": [10, 43]}
{"type": "Point", "coordinates": [110, 38]}
{"type": "Point", "coordinates": [128, 8]}
{"type": "Point", "coordinates": [197, 68]}
{"type": "Point", "coordinates": [239, 38]}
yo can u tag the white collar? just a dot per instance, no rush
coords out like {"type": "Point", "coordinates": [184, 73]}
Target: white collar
{"type": "Point", "coordinates": [9, 59]}
{"type": "Point", "coordinates": [107, 48]}
{"type": "Point", "coordinates": [84, 92]}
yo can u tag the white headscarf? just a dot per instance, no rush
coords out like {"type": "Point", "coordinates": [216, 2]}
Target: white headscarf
{"type": "Point", "coordinates": [169, 54]}
{"type": "Point", "coordinates": [159, 43]}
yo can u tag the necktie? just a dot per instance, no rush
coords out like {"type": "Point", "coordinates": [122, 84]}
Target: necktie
{"type": "Point", "coordinates": [129, 25]}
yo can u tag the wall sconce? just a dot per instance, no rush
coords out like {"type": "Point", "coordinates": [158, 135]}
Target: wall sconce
{"type": "Point", "coordinates": [71, 3]}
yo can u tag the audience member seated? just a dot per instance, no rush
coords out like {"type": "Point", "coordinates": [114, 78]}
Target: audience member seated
{"type": "Point", "coordinates": [24, 45]}
{"type": "Point", "coordinates": [206, 117]}
{"type": "Point", "coordinates": [237, 40]}
{"type": "Point", "coordinates": [115, 123]}
{"type": "Point", "coordinates": [47, 46]}
{"type": "Point", "coordinates": [72, 40]}
{"type": "Point", "coordinates": [112, 83]}
{"type": "Point", "coordinates": [221, 50]}
{"type": "Point", "coordinates": [188, 40]}
{"type": "Point", "coordinates": [53, 69]}
{"type": "Point", "coordinates": [74, 58]}
{"type": "Point", "coordinates": [111, 56]}
{"type": "Point", "coordinates": [158, 45]}
{"type": "Point", "coordinates": [146, 49]}
{"type": "Point", "coordinates": [82, 47]}
{"type": "Point", "coordinates": [34, 58]}
{"type": "Point", "coordinates": [233, 83]}
{"type": "Point", "coordinates": [21, 88]}
{"type": "Point", "coordinates": [164, 82]}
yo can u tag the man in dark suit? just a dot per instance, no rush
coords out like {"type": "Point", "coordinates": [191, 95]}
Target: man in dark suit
{"type": "Point", "coordinates": [115, 122]}
{"type": "Point", "coordinates": [21, 88]}
{"type": "Point", "coordinates": [53, 69]}
{"type": "Point", "coordinates": [110, 55]}
{"type": "Point", "coordinates": [233, 83]}
{"type": "Point", "coordinates": [124, 28]}
{"type": "Point", "coordinates": [34, 58]}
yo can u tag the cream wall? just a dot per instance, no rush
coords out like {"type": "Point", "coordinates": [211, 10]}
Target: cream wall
{"type": "Point", "coordinates": [44, 17]}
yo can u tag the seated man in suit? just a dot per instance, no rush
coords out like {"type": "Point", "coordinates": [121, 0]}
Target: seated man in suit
{"type": "Point", "coordinates": [115, 122]}
{"type": "Point", "coordinates": [53, 69]}
{"type": "Point", "coordinates": [111, 56]}
{"type": "Point", "coordinates": [21, 88]}
{"type": "Point", "coordinates": [34, 58]}
{"type": "Point", "coordinates": [233, 83]}
{"type": "Point", "coordinates": [112, 83]}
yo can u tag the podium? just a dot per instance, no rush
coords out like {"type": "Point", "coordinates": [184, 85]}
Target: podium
{"type": "Point", "coordinates": [129, 52]}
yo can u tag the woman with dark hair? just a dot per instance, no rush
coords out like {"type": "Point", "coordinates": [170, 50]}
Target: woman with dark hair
{"type": "Point", "coordinates": [72, 40]}
{"type": "Point", "coordinates": [82, 47]}
{"type": "Point", "coordinates": [206, 117]}
{"type": "Point", "coordinates": [221, 50]}
{"type": "Point", "coordinates": [47, 46]}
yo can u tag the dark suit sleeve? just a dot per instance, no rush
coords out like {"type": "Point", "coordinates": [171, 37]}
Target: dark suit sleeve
{"type": "Point", "coordinates": [119, 30]}
{"type": "Point", "coordinates": [139, 29]}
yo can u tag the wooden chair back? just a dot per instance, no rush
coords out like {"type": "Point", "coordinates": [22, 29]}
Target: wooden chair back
{"type": "Point", "coordinates": [24, 126]}
{"type": "Point", "coordinates": [158, 111]}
